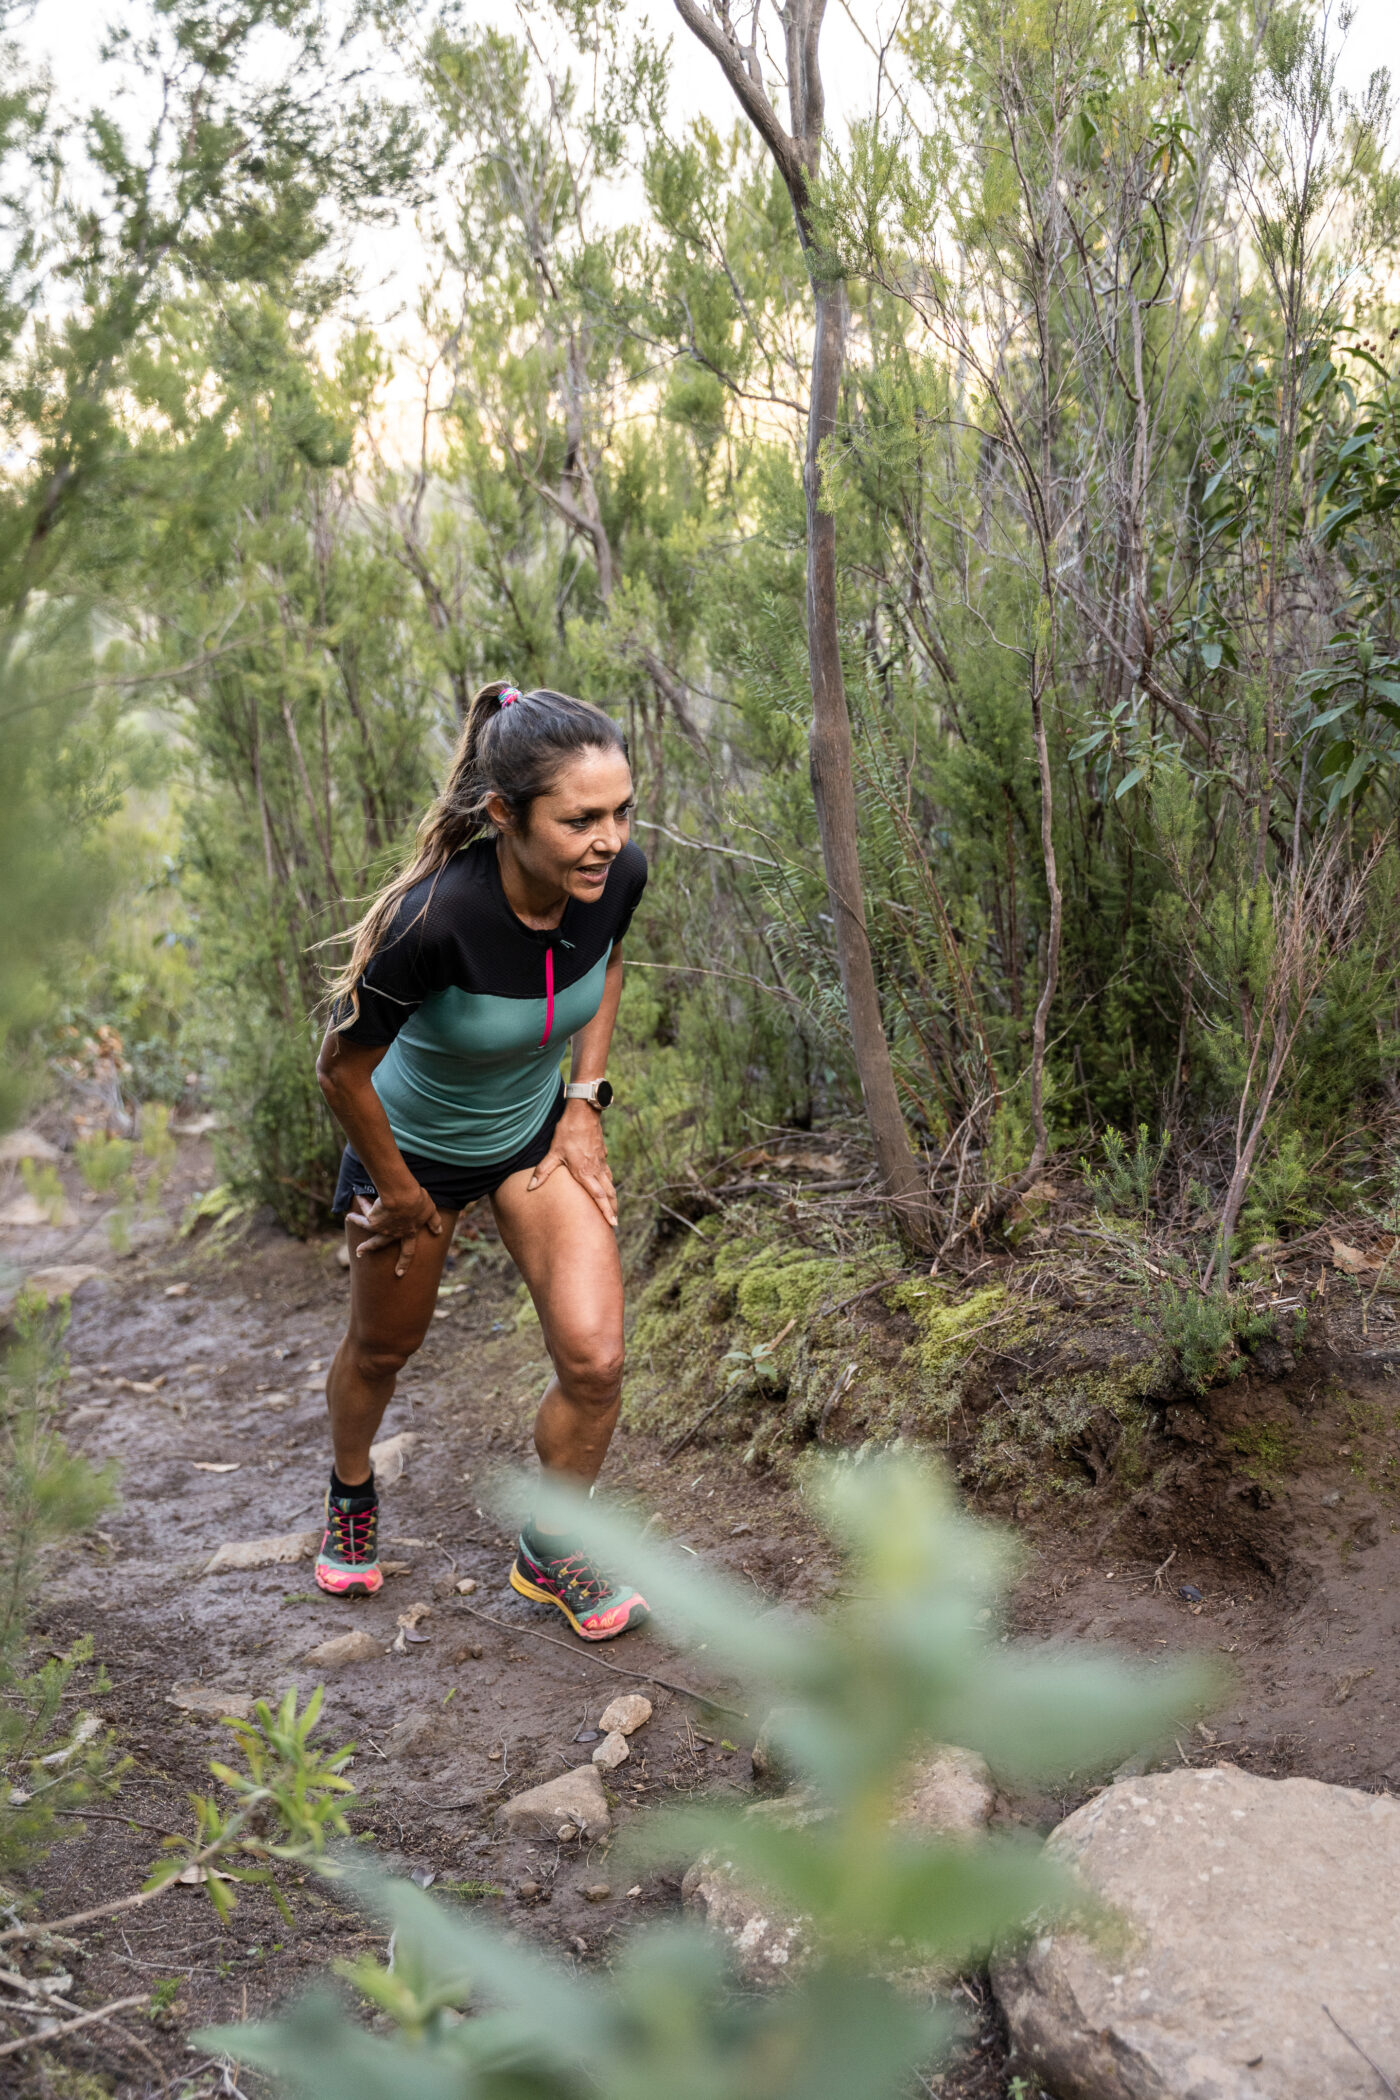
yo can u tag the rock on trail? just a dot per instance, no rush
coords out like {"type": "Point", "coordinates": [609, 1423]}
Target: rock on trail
{"type": "Point", "coordinates": [346, 1648]}
{"type": "Point", "coordinates": [262, 1553]}
{"type": "Point", "coordinates": [207, 1699]}
{"type": "Point", "coordinates": [575, 1798]}
{"type": "Point", "coordinates": [947, 1793]}
{"type": "Point", "coordinates": [389, 1457]}
{"type": "Point", "coordinates": [1259, 1917]}
{"type": "Point", "coordinates": [625, 1714]}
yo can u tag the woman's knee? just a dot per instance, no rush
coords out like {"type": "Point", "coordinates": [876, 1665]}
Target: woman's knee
{"type": "Point", "coordinates": [590, 1370]}
{"type": "Point", "coordinates": [374, 1359]}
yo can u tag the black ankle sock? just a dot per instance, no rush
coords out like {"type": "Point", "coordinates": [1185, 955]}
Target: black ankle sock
{"type": "Point", "coordinates": [365, 1496]}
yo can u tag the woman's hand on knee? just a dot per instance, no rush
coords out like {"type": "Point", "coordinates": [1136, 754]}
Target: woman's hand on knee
{"type": "Point", "coordinates": [578, 1145]}
{"type": "Point", "coordinates": [388, 1223]}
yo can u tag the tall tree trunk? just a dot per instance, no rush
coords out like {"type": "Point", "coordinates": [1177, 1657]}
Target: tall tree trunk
{"type": "Point", "coordinates": [834, 792]}
{"type": "Point", "coordinates": [796, 154]}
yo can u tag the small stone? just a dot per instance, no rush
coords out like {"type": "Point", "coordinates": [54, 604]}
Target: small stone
{"type": "Point", "coordinates": [177, 1290]}
{"type": "Point", "coordinates": [627, 1713]}
{"type": "Point", "coordinates": [345, 1648]}
{"type": "Point", "coordinates": [612, 1751]}
{"type": "Point", "coordinates": [574, 1800]}
{"type": "Point", "coordinates": [589, 1735]}
{"type": "Point", "coordinates": [949, 1793]}
{"type": "Point", "coordinates": [566, 1832]}
{"type": "Point", "coordinates": [470, 1651]}
{"type": "Point", "coordinates": [390, 1457]}
{"type": "Point", "coordinates": [262, 1553]}
{"type": "Point", "coordinates": [596, 1892]}
{"type": "Point", "coordinates": [207, 1699]}
{"type": "Point", "coordinates": [65, 1281]}
{"type": "Point", "coordinates": [467, 1588]}
{"type": "Point", "coordinates": [27, 1210]}
{"type": "Point", "coordinates": [1189, 1591]}
{"type": "Point", "coordinates": [27, 1144]}
{"type": "Point", "coordinates": [417, 1733]}
{"type": "Point", "coordinates": [527, 1891]}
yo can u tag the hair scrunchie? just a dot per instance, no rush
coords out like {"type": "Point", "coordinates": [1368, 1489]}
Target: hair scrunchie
{"type": "Point", "coordinates": [510, 695]}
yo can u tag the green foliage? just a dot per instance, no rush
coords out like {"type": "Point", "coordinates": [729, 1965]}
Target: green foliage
{"type": "Point", "coordinates": [1128, 1179]}
{"type": "Point", "coordinates": [223, 521]}
{"type": "Point", "coordinates": [45, 1186]}
{"type": "Point", "coordinates": [1206, 1329]}
{"type": "Point", "coordinates": [287, 1801]}
{"type": "Point", "coordinates": [1283, 1193]}
{"type": "Point", "coordinates": [164, 1992]}
{"type": "Point", "coordinates": [105, 1162]}
{"type": "Point", "coordinates": [908, 1662]}
{"type": "Point", "coordinates": [51, 1756]}
{"type": "Point", "coordinates": [754, 1364]}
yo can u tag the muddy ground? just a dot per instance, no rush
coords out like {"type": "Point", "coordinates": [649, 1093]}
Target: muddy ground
{"type": "Point", "coordinates": [1273, 1499]}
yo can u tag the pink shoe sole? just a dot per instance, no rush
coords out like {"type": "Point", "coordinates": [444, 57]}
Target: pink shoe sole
{"type": "Point", "coordinates": [337, 1582]}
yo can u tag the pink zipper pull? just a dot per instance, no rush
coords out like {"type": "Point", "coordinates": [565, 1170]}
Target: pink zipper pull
{"type": "Point", "coordinates": [548, 996]}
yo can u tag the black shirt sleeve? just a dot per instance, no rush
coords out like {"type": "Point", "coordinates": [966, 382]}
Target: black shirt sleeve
{"type": "Point", "coordinates": [632, 863]}
{"type": "Point", "coordinates": [401, 974]}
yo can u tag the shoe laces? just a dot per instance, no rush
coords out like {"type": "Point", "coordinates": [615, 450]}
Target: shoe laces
{"type": "Point", "coordinates": [353, 1531]}
{"type": "Point", "coordinates": [580, 1575]}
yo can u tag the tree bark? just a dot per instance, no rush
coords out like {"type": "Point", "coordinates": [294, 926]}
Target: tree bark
{"type": "Point", "coordinates": [796, 155]}
{"type": "Point", "coordinates": [834, 792]}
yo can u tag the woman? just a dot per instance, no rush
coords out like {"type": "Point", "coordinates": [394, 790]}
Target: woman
{"type": "Point", "coordinates": [469, 972]}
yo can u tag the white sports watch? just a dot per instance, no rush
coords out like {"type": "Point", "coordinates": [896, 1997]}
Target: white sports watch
{"type": "Point", "coordinates": [597, 1093]}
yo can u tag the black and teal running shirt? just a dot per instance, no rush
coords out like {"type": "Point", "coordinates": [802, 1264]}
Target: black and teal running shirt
{"type": "Point", "coordinates": [476, 1007]}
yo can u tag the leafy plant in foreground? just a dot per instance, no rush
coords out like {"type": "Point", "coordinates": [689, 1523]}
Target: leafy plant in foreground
{"type": "Point", "coordinates": [50, 1759]}
{"type": "Point", "coordinates": [907, 1659]}
{"type": "Point", "coordinates": [287, 1803]}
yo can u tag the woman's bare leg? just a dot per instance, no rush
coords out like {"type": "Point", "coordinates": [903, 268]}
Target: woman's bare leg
{"type": "Point", "coordinates": [567, 1253]}
{"type": "Point", "coordinates": [389, 1316]}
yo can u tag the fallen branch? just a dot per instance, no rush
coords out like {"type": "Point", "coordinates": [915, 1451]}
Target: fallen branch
{"type": "Point", "coordinates": [104, 2012]}
{"type": "Point", "coordinates": [674, 1450]}
{"type": "Point", "coordinates": [37, 1930]}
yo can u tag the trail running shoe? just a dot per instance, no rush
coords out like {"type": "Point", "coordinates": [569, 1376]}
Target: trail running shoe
{"type": "Point", "coordinates": [596, 1608]}
{"type": "Point", "coordinates": [349, 1555]}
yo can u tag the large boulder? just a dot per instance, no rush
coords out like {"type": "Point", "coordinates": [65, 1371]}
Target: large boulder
{"type": "Point", "coordinates": [1256, 1920]}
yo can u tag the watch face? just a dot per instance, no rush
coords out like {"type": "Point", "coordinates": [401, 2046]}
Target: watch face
{"type": "Point", "coordinates": [604, 1095]}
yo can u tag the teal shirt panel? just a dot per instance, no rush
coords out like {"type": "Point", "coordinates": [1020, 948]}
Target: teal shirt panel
{"type": "Point", "coordinates": [466, 1080]}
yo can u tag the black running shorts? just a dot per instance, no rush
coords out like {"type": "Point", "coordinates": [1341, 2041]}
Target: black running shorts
{"type": "Point", "coordinates": [451, 1188]}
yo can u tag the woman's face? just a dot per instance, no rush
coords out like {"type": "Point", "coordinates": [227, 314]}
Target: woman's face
{"type": "Point", "coordinates": [574, 833]}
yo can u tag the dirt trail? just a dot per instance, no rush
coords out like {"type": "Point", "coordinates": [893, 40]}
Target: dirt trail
{"type": "Point", "coordinates": [185, 1360]}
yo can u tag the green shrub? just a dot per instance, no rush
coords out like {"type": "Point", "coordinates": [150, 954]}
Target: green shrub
{"type": "Point", "coordinates": [51, 1757]}
{"type": "Point", "coordinates": [1207, 1329]}
{"type": "Point", "coordinates": [105, 1162]}
{"type": "Point", "coordinates": [1127, 1179]}
{"type": "Point", "coordinates": [1282, 1194]}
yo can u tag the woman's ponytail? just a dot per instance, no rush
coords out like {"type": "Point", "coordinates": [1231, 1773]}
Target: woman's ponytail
{"type": "Point", "coordinates": [512, 745]}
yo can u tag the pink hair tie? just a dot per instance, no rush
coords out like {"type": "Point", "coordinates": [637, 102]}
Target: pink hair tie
{"type": "Point", "coordinates": [510, 695]}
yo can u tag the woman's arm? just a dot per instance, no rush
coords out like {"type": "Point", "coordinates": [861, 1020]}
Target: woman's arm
{"type": "Point", "coordinates": [402, 1209]}
{"type": "Point", "coordinates": [578, 1136]}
